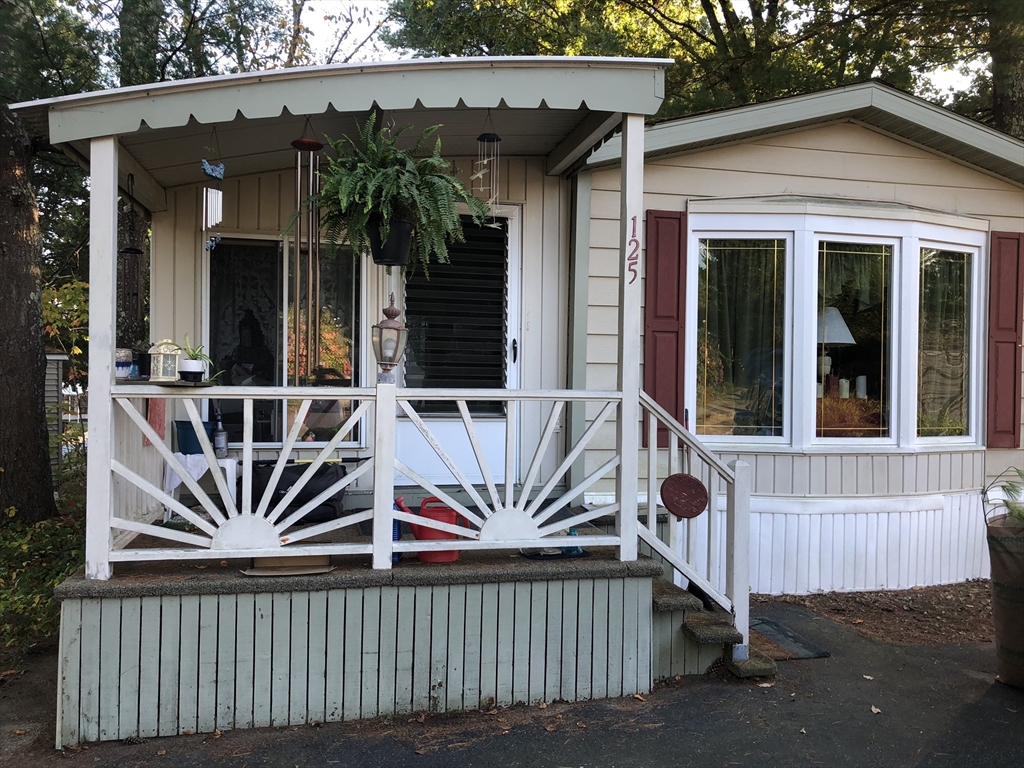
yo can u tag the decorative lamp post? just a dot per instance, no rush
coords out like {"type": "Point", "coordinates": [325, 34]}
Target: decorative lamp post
{"type": "Point", "coordinates": [389, 337]}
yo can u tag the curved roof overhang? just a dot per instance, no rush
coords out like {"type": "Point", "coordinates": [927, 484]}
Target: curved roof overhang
{"type": "Point", "coordinates": [553, 107]}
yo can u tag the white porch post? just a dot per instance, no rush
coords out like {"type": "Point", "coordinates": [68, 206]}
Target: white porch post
{"type": "Point", "coordinates": [383, 475]}
{"type": "Point", "coordinates": [102, 325]}
{"type": "Point", "coordinates": [737, 553]}
{"type": "Point", "coordinates": [631, 200]}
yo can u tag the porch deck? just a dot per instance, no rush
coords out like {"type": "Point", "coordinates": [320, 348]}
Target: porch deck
{"type": "Point", "coordinates": [170, 648]}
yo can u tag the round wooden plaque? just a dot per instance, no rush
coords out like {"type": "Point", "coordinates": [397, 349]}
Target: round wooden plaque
{"type": "Point", "coordinates": [684, 495]}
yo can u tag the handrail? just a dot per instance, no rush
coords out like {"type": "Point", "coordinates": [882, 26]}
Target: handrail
{"type": "Point", "coordinates": [522, 395]}
{"type": "Point", "coordinates": [217, 392]}
{"type": "Point", "coordinates": [684, 434]}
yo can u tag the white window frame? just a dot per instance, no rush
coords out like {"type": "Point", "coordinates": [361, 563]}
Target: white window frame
{"type": "Point", "coordinates": [692, 322]}
{"type": "Point", "coordinates": [804, 224]}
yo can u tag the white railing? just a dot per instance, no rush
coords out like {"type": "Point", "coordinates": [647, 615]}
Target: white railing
{"type": "Point", "coordinates": [711, 550]}
{"type": "Point", "coordinates": [494, 512]}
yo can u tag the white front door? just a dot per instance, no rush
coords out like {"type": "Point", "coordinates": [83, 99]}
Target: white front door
{"type": "Point", "coordinates": [464, 333]}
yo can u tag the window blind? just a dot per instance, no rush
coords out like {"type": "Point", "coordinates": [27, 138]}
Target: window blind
{"type": "Point", "coordinates": [457, 320]}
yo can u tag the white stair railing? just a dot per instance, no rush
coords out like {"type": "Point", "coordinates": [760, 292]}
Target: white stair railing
{"type": "Point", "coordinates": [711, 550]}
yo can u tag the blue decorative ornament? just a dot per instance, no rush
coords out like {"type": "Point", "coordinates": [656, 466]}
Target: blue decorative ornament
{"type": "Point", "coordinates": [213, 171]}
{"type": "Point", "coordinates": [213, 241]}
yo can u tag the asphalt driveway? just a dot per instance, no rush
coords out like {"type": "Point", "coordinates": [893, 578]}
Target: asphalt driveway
{"type": "Point", "coordinates": [869, 704]}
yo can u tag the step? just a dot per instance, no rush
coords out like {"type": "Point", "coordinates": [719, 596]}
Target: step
{"type": "Point", "coordinates": [757, 665]}
{"type": "Point", "coordinates": [668, 597]}
{"type": "Point", "coordinates": [709, 628]}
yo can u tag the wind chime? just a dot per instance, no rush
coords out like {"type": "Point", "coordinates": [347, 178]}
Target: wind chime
{"type": "Point", "coordinates": [306, 335]}
{"type": "Point", "coordinates": [485, 170]}
{"type": "Point", "coordinates": [213, 195]}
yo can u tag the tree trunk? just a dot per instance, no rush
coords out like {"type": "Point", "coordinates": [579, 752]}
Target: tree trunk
{"type": "Point", "coordinates": [1006, 45]}
{"type": "Point", "coordinates": [26, 483]}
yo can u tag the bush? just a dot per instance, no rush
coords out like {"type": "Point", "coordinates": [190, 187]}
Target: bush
{"type": "Point", "coordinates": [39, 556]}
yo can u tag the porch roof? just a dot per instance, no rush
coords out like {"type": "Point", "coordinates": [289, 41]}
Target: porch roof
{"type": "Point", "coordinates": [553, 107]}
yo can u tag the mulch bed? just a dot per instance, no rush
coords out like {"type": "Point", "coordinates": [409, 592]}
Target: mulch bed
{"type": "Point", "coordinates": [949, 614]}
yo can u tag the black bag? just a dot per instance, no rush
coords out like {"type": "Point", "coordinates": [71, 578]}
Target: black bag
{"type": "Point", "coordinates": [326, 475]}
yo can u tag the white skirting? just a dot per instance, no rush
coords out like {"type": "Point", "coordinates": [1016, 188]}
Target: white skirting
{"type": "Point", "coordinates": [799, 546]}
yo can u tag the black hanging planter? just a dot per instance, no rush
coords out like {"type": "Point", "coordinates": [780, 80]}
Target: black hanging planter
{"type": "Point", "coordinates": [393, 252]}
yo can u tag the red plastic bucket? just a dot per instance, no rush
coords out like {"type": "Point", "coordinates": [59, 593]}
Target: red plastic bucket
{"type": "Point", "coordinates": [433, 509]}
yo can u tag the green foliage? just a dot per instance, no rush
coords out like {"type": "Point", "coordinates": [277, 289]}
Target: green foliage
{"type": "Point", "coordinates": [66, 322]}
{"type": "Point", "coordinates": [38, 557]}
{"type": "Point", "coordinates": [726, 54]}
{"type": "Point", "coordinates": [1014, 492]}
{"type": "Point", "coordinates": [193, 353]}
{"type": "Point", "coordinates": [372, 175]}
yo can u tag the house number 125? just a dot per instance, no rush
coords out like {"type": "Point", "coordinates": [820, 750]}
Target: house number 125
{"type": "Point", "coordinates": [633, 257]}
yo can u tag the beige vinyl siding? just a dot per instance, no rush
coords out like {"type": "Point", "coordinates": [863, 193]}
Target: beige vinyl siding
{"type": "Point", "coordinates": [262, 205]}
{"type": "Point", "coordinates": [844, 160]}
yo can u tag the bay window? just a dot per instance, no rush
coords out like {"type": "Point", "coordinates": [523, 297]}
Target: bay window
{"type": "Point", "coordinates": [832, 323]}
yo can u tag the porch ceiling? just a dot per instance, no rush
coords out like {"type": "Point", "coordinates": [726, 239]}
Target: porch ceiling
{"type": "Point", "coordinates": [554, 107]}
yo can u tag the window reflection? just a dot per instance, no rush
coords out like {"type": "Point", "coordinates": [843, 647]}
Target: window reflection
{"type": "Point", "coordinates": [740, 347]}
{"type": "Point", "coordinates": [322, 331]}
{"type": "Point", "coordinates": [854, 338]}
{"type": "Point", "coordinates": [943, 343]}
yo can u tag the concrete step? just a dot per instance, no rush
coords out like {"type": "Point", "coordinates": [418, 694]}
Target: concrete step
{"type": "Point", "coordinates": [758, 665]}
{"type": "Point", "coordinates": [709, 628]}
{"type": "Point", "coordinates": [668, 597]}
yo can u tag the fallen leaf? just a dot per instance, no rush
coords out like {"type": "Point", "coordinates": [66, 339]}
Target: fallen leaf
{"type": "Point", "coordinates": [638, 697]}
{"type": "Point", "coordinates": [8, 673]}
{"type": "Point", "coordinates": [216, 733]}
{"type": "Point", "coordinates": [188, 733]}
{"type": "Point", "coordinates": [421, 751]}
{"type": "Point", "coordinates": [488, 712]}
{"type": "Point", "coordinates": [18, 732]}
{"type": "Point", "coordinates": [581, 724]}
{"type": "Point", "coordinates": [803, 730]}
{"type": "Point", "coordinates": [542, 705]}
{"type": "Point", "coordinates": [161, 751]}
{"type": "Point", "coordinates": [858, 621]}
{"type": "Point", "coordinates": [867, 677]}
{"type": "Point", "coordinates": [765, 685]}
{"type": "Point", "coordinates": [550, 727]}
{"type": "Point", "coordinates": [875, 709]}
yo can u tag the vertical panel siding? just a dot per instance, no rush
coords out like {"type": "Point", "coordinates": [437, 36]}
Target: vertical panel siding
{"type": "Point", "coordinates": [672, 652]}
{"type": "Point", "coordinates": [803, 553]}
{"type": "Point", "coordinates": [146, 666]}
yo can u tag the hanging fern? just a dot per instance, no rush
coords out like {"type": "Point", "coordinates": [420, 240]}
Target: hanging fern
{"type": "Point", "coordinates": [371, 176]}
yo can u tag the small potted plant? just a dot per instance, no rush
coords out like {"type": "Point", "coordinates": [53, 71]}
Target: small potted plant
{"type": "Point", "coordinates": [381, 196]}
{"type": "Point", "coordinates": [1006, 553]}
{"type": "Point", "coordinates": [192, 365]}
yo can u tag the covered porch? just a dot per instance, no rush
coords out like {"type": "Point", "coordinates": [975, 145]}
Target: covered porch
{"type": "Point", "coordinates": [515, 461]}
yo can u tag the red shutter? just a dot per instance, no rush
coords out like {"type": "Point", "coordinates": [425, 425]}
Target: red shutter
{"type": "Point", "coordinates": [664, 312]}
{"type": "Point", "coordinates": [1005, 313]}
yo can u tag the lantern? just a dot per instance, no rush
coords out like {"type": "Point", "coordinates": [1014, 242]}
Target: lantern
{"type": "Point", "coordinates": [388, 338]}
{"type": "Point", "coordinates": [163, 365]}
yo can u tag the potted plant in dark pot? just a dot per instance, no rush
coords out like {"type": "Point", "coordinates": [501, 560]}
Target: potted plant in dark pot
{"type": "Point", "coordinates": [384, 197]}
{"type": "Point", "coordinates": [193, 362]}
{"type": "Point", "coordinates": [1006, 553]}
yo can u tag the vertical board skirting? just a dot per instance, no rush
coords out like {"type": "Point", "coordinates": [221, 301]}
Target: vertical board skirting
{"type": "Point", "coordinates": [843, 552]}
{"type": "Point", "coordinates": [154, 666]}
{"type": "Point", "coordinates": [672, 651]}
